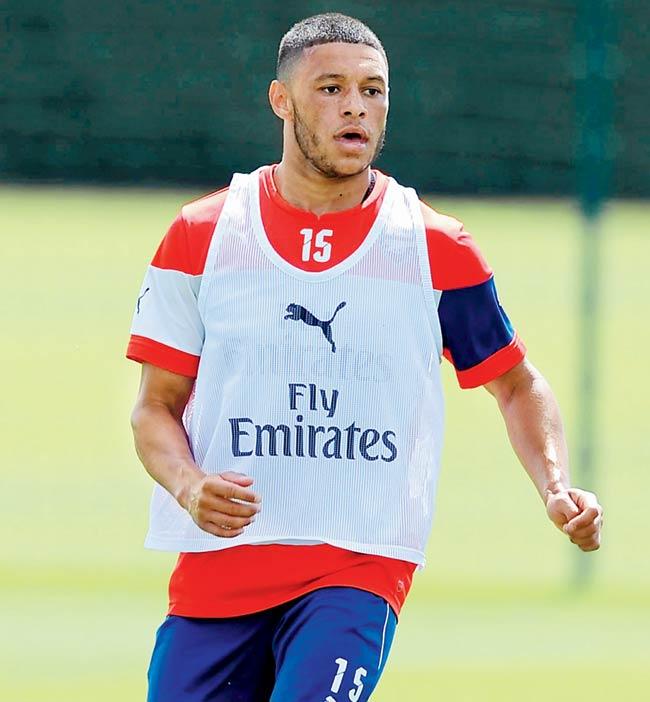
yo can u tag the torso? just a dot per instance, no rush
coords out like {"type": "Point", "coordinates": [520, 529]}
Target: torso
{"type": "Point", "coordinates": [261, 576]}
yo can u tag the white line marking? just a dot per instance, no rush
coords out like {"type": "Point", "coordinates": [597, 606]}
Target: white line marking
{"type": "Point", "coordinates": [383, 637]}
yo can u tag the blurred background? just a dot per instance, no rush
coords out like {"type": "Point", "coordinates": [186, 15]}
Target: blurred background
{"type": "Point", "coordinates": [526, 119]}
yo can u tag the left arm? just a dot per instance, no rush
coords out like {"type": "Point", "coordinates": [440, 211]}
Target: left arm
{"type": "Point", "coordinates": [532, 418]}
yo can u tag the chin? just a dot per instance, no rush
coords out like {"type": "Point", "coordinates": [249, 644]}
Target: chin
{"type": "Point", "coordinates": [348, 167]}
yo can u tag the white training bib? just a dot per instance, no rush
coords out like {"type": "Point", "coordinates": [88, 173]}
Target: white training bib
{"type": "Point", "coordinates": [324, 387]}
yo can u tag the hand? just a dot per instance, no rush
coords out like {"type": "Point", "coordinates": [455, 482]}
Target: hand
{"type": "Point", "coordinates": [577, 513]}
{"type": "Point", "coordinates": [223, 504]}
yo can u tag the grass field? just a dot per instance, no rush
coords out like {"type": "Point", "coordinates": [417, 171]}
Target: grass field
{"type": "Point", "coordinates": [493, 617]}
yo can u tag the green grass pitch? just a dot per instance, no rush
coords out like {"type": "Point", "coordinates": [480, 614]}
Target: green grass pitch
{"type": "Point", "coordinates": [493, 617]}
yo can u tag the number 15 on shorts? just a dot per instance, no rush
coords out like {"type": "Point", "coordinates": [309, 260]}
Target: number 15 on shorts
{"type": "Point", "coordinates": [355, 692]}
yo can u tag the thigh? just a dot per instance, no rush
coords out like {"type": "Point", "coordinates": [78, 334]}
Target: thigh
{"type": "Point", "coordinates": [331, 646]}
{"type": "Point", "coordinates": [213, 660]}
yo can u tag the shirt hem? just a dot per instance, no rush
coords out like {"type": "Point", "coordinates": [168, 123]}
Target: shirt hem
{"type": "Point", "coordinates": [224, 612]}
{"type": "Point", "coordinates": [157, 543]}
{"type": "Point", "coordinates": [144, 350]}
{"type": "Point", "coordinates": [497, 364]}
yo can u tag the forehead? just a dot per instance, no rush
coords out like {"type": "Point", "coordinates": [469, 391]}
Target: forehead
{"type": "Point", "coordinates": [343, 59]}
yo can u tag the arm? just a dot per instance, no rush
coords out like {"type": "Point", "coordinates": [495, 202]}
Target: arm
{"type": "Point", "coordinates": [222, 504]}
{"type": "Point", "coordinates": [534, 426]}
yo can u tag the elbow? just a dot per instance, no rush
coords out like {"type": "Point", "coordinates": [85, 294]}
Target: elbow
{"type": "Point", "coordinates": [136, 421]}
{"type": "Point", "coordinates": [148, 413]}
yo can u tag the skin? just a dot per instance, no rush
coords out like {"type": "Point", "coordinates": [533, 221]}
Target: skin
{"type": "Point", "coordinates": [328, 89]}
{"type": "Point", "coordinates": [532, 419]}
{"type": "Point", "coordinates": [222, 504]}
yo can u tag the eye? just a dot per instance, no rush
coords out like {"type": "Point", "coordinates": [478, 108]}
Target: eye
{"type": "Point", "coordinates": [373, 91]}
{"type": "Point", "coordinates": [330, 89]}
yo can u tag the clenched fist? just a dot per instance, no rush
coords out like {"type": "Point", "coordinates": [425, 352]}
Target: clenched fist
{"type": "Point", "coordinates": [577, 513]}
{"type": "Point", "coordinates": [223, 504]}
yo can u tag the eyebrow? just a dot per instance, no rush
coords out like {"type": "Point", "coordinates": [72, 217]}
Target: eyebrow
{"type": "Point", "coordinates": [340, 76]}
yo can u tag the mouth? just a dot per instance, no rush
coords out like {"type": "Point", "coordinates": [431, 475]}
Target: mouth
{"type": "Point", "coordinates": [354, 138]}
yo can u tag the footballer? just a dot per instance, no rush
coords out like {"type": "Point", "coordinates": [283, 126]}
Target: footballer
{"type": "Point", "coordinates": [291, 329]}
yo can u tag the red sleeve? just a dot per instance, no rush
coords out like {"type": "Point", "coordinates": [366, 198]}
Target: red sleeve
{"type": "Point", "coordinates": [145, 350]}
{"type": "Point", "coordinates": [454, 258]}
{"type": "Point", "coordinates": [478, 338]}
{"type": "Point", "coordinates": [185, 246]}
{"type": "Point", "coordinates": [167, 329]}
{"type": "Point", "coordinates": [500, 362]}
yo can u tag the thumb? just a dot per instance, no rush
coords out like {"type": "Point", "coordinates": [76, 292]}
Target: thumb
{"type": "Point", "coordinates": [561, 509]}
{"type": "Point", "coordinates": [237, 478]}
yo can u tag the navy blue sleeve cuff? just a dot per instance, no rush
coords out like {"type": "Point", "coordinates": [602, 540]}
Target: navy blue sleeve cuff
{"type": "Point", "coordinates": [474, 325]}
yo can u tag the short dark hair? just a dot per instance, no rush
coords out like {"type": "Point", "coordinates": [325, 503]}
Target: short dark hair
{"type": "Point", "coordinates": [327, 28]}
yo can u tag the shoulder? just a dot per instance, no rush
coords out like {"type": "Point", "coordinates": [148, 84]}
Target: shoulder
{"type": "Point", "coordinates": [454, 257]}
{"type": "Point", "coordinates": [185, 246]}
{"type": "Point", "coordinates": [204, 211]}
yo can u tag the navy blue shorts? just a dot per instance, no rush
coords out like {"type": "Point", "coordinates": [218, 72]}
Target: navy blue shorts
{"type": "Point", "coordinates": [330, 645]}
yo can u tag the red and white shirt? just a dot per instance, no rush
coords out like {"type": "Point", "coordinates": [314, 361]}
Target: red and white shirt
{"type": "Point", "coordinates": [476, 335]}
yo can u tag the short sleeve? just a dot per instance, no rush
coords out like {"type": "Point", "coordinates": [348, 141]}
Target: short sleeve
{"type": "Point", "coordinates": [477, 335]}
{"type": "Point", "coordinates": [167, 329]}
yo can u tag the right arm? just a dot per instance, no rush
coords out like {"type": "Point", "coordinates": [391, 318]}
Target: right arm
{"type": "Point", "coordinates": [221, 504]}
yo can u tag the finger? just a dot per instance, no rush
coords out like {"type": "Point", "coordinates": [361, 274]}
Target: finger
{"type": "Point", "coordinates": [586, 532]}
{"type": "Point", "coordinates": [587, 538]}
{"type": "Point", "coordinates": [592, 544]}
{"type": "Point", "coordinates": [211, 509]}
{"type": "Point", "coordinates": [563, 504]}
{"type": "Point", "coordinates": [226, 521]}
{"type": "Point", "coordinates": [209, 503]}
{"type": "Point", "coordinates": [231, 491]}
{"type": "Point", "coordinates": [589, 515]}
{"type": "Point", "coordinates": [235, 509]}
{"type": "Point", "coordinates": [561, 509]}
{"type": "Point", "coordinates": [239, 478]}
{"type": "Point", "coordinates": [583, 498]}
{"type": "Point", "coordinates": [217, 530]}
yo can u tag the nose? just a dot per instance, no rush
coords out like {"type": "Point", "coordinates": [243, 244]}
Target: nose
{"type": "Point", "coordinates": [354, 105]}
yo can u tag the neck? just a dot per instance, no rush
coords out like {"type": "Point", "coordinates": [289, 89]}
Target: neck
{"type": "Point", "coordinates": [302, 186]}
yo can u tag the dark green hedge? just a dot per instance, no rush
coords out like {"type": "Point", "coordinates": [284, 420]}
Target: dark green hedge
{"type": "Point", "coordinates": [483, 93]}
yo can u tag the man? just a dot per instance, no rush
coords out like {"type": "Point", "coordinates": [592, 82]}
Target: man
{"type": "Point", "coordinates": [291, 329]}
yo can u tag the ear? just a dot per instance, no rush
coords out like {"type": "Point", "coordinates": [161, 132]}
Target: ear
{"type": "Point", "coordinates": [280, 100]}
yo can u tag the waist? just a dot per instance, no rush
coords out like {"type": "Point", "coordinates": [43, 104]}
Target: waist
{"type": "Point", "coordinates": [249, 579]}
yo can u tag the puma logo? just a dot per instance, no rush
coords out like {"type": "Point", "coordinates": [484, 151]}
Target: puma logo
{"type": "Point", "coordinates": [140, 298]}
{"type": "Point", "coordinates": [299, 313]}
